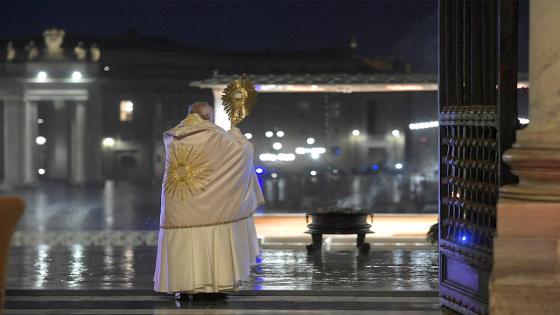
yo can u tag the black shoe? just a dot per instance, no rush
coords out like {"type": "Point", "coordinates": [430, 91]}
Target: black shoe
{"type": "Point", "coordinates": [217, 296]}
{"type": "Point", "coordinates": [181, 297]}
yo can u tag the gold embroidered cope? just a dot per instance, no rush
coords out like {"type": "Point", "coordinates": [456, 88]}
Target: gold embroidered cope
{"type": "Point", "coordinates": [187, 172]}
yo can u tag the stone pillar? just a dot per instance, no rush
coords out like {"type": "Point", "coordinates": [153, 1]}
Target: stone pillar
{"type": "Point", "coordinates": [93, 137]}
{"type": "Point", "coordinates": [20, 132]}
{"type": "Point", "coordinates": [77, 144]}
{"type": "Point", "coordinates": [221, 118]}
{"type": "Point", "coordinates": [13, 140]}
{"type": "Point", "coordinates": [29, 138]}
{"type": "Point", "coordinates": [526, 274]}
{"type": "Point", "coordinates": [58, 145]}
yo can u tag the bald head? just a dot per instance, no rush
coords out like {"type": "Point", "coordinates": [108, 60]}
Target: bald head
{"type": "Point", "coordinates": [203, 109]}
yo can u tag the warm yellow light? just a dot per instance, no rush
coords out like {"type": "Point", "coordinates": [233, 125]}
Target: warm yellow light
{"type": "Point", "coordinates": [126, 110]}
{"type": "Point", "coordinates": [108, 142]}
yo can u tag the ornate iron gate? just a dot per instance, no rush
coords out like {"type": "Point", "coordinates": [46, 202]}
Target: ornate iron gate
{"type": "Point", "coordinates": [478, 118]}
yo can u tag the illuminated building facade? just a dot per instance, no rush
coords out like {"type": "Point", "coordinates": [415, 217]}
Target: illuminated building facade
{"type": "Point", "coordinates": [82, 110]}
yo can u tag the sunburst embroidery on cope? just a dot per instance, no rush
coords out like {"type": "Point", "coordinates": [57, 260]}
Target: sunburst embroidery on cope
{"type": "Point", "coordinates": [187, 172]}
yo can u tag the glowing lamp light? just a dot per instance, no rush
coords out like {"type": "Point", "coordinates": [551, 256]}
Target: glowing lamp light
{"type": "Point", "coordinates": [277, 146]}
{"type": "Point", "coordinates": [355, 132]}
{"type": "Point", "coordinates": [41, 171]}
{"type": "Point", "coordinates": [269, 134]}
{"type": "Point", "coordinates": [300, 150]}
{"type": "Point", "coordinates": [274, 175]}
{"type": "Point", "coordinates": [315, 155]}
{"type": "Point", "coordinates": [396, 133]}
{"type": "Point", "coordinates": [280, 134]}
{"type": "Point", "coordinates": [40, 140]}
{"type": "Point", "coordinates": [310, 141]}
{"type": "Point", "coordinates": [249, 136]}
{"type": "Point", "coordinates": [399, 166]}
{"type": "Point", "coordinates": [375, 167]}
{"type": "Point", "coordinates": [319, 150]}
{"type": "Point", "coordinates": [268, 157]}
{"type": "Point", "coordinates": [106, 68]}
{"type": "Point", "coordinates": [423, 125]}
{"type": "Point", "coordinates": [464, 238]}
{"type": "Point", "coordinates": [334, 171]}
{"type": "Point", "coordinates": [523, 121]}
{"type": "Point", "coordinates": [286, 157]}
{"type": "Point", "coordinates": [108, 142]}
{"type": "Point", "coordinates": [76, 75]}
{"type": "Point", "coordinates": [128, 106]}
{"type": "Point", "coordinates": [40, 121]}
{"type": "Point", "coordinates": [313, 173]}
{"type": "Point", "coordinates": [259, 170]}
{"type": "Point", "coordinates": [42, 76]}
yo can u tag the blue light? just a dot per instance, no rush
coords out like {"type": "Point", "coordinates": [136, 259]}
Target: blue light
{"type": "Point", "coordinates": [259, 170]}
{"type": "Point", "coordinates": [464, 238]}
{"type": "Point", "coordinates": [375, 167]}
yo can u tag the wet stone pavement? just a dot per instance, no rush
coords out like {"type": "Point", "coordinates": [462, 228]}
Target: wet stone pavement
{"type": "Point", "coordinates": [94, 267]}
{"type": "Point", "coordinates": [101, 280]}
{"type": "Point", "coordinates": [78, 247]}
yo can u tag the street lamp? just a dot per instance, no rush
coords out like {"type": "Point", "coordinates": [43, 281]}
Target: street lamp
{"type": "Point", "coordinates": [108, 142]}
{"type": "Point", "coordinates": [40, 140]}
{"type": "Point", "coordinates": [42, 76]}
{"type": "Point", "coordinates": [76, 75]}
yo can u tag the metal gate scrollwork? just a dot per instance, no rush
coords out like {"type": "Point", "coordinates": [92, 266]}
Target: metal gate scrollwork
{"type": "Point", "coordinates": [477, 105]}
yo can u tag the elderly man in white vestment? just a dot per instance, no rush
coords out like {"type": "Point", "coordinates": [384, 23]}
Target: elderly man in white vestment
{"type": "Point", "coordinates": [207, 239]}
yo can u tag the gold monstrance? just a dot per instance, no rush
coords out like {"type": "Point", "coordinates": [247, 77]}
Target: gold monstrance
{"type": "Point", "coordinates": [239, 99]}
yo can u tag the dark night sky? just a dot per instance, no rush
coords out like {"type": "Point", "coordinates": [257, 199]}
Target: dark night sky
{"type": "Point", "coordinates": [403, 28]}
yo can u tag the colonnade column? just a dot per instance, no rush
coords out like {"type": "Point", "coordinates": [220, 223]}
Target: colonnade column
{"type": "Point", "coordinates": [20, 132]}
{"type": "Point", "coordinates": [526, 273]}
{"type": "Point", "coordinates": [13, 139]}
{"type": "Point", "coordinates": [29, 145]}
{"type": "Point", "coordinates": [78, 143]}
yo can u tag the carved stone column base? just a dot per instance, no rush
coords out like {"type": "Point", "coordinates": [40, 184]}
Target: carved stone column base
{"type": "Point", "coordinates": [539, 173]}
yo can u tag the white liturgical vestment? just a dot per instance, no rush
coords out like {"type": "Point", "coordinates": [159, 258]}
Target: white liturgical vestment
{"type": "Point", "coordinates": [207, 239]}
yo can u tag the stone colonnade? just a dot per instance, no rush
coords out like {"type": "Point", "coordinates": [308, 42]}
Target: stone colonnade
{"type": "Point", "coordinates": [68, 156]}
{"type": "Point", "coordinates": [526, 273]}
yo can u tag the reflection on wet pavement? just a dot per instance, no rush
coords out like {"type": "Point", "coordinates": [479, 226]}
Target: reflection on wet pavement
{"type": "Point", "coordinates": [114, 206]}
{"type": "Point", "coordinates": [95, 267]}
